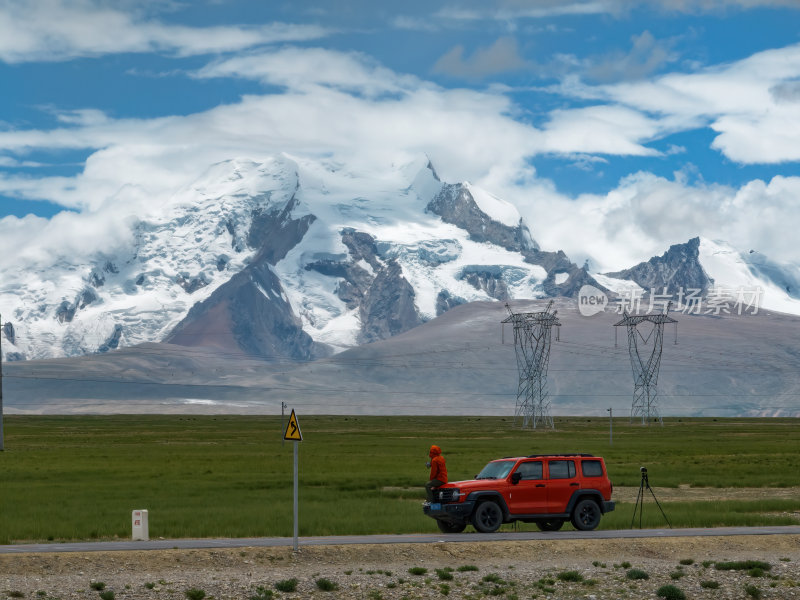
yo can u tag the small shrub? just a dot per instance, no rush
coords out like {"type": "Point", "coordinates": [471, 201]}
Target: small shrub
{"type": "Point", "coordinates": [756, 572]}
{"type": "Point", "coordinates": [348, 572]}
{"type": "Point", "coordinates": [687, 561]}
{"type": "Point", "coordinates": [107, 595]}
{"type": "Point", "coordinates": [465, 568]}
{"type": "Point", "coordinates": [743, 565]}
{"type": "Point", "coordinates": [573, 576]}
{"type": "Point", "coordinates": [493, 578]}
{"type": "Point", "coordinates": [597, 563]}
{"type": "Point", "coordinates": [326, 585]}
{"type": "Point", "coordinates": [709, 585]}
{"type": "Point", "coordinates": [670, 592]}
{"type": "Point", "coordinates": [149, 585]}
{"type": "Point", "coordinates": [262, 593]}
{"type": "Point", "coordinates": [625, 565]}
{"type": "Point", "coordinates": [97, 585]}
{"type": "Point", "coordinates": [194, 594]}
{"type": "Point", "coordinates": [444, 574]}
{"type": "Point", "coordinates": [637, 574]}
{"type": "Point", "coordinates": [16, 594]}
{"type": "Point", "coordinates": [444, 589]}
{"type": "Point", "coordinates": [287, 585]}
{"type": "Point", "coordinates": [374, 595]}
{"type": "Point", "coordinates": [706, 563]}
{"type": "Point", "coordinates": [418, 570]}
{"type": "Point", "coordinates": [752, 591]}
{"type": "Point", "coordinates": [676, 574]}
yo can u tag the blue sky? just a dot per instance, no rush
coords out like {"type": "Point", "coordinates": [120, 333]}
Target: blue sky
{"type": "Point", "coordinates": [638, 123]}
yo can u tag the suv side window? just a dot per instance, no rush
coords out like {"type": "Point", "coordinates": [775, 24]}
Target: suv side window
{"type": "Point", "coordinates": [562, 469]}
{"type": "Point", "coordinates": [531, 470]}
{"type": "Point", "coordinates": [592, 468]}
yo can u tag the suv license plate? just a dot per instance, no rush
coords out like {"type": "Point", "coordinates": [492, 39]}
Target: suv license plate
{"type": "Point", "coordinates": [436, 506]}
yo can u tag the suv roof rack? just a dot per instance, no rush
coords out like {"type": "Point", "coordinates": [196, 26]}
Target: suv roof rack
{"type": "Point", "coordinates": [551, 455]}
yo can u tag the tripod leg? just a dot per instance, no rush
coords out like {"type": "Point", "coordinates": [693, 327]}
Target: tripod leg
{"type": "Point", "coordinates": [639, 497]}
{"type": "Point", "coordinates": [659, 506]}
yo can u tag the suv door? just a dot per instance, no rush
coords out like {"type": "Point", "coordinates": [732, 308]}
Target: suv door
{"type": "Point", "coordinates": [562, 482]}
{"type": "Point", "coordinates": [529, 495]}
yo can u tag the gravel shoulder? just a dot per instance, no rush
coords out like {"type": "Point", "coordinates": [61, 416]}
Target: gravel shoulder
{"type": "Point", "coordinates": [521, 569]}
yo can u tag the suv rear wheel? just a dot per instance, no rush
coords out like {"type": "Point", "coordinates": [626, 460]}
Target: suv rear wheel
{"type": "Point", "coordinates": [487, 517]}
{"type": "Point", "coordinates": [448, 527]}
{"type": "Point", "coordinates": [586, 515]}
{"type": "Point", "coordinates": [550, 524]}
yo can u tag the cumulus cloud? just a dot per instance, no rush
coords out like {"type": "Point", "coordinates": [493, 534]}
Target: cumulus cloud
{"type": "Point", "coordinates": [56, 30]}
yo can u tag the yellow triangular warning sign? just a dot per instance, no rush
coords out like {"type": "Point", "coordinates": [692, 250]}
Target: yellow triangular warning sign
{"type": "Point", "coordinates": [292, 432]}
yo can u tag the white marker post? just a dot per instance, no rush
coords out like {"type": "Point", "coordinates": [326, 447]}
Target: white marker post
{"type": "Point", "coordinates": [140, 526]}
{"type": "Point", "coordinates": [293, 434]}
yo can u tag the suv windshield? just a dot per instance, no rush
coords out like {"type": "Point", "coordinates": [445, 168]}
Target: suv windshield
{"type": "Point", "coordinates": [496, 469]}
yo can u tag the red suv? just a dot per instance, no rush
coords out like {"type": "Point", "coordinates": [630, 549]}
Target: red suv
{"type": "Point", "coordinates": [543, 489]}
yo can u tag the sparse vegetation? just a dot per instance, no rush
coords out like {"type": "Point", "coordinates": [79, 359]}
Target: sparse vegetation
{"type": "Point", "coordinates": [670, 592]}
{"type": "Point", "coordinates": [326, 585]}
{"type": "Point", "coordinates": [262, 593]}
{"type": "Point", "coordinates": [709, 585]}
{"type": "Point", "coordinates": [287, 585]}
{"type": "Point", "coordinates": [417, 570]}
{"type": "Point", "coordinates": [742, 565]}
{"type": "Point", "coordinates": [466, 568]}
{"type": "Point", "coordinates": [97, 585]}
{"type": "Point", "coordinates": [194, 594]}
{"type": "Point", "coordinates": [445, 574]}
{"type": "Point", "coordinates": [752, 591]}
{"type": "Point", "coordinates": [687, 561]}
{"type": "Point", "coordinates": [635, 574]}
{"type": "Point", "coordinates": [107, 595]}
{"type": "Point", "coordinates": [572, 576]}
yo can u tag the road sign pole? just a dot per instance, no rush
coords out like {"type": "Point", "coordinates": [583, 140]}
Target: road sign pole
{"type": "Point", "coordinates": [295, 546]}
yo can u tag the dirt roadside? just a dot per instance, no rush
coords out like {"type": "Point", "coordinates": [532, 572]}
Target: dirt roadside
{"type": "Point", "coordinates": [524, 569]}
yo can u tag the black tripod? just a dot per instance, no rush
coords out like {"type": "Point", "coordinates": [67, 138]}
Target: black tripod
{"type": "Point", "coordinates": [640, 500]}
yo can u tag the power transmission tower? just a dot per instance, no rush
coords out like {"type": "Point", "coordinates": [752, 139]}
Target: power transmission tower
{"type": "Point", "coordinates": [532, 332]}
{"type": "Point", "coordinates": [645, 369]}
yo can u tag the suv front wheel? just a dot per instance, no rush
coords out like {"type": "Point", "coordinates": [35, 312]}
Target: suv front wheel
{"type": "Point", "coordinates": [550, 524]}
{"type": "Point", "coordinates": [586, 515]}
{"type": "Point", "coordinates": [448, 527]}
{"type": "Point", "coordinates": [487, 517]}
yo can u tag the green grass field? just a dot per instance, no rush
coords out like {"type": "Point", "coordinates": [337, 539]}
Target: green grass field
{"type": "Point", "coordinates": [68, 478]}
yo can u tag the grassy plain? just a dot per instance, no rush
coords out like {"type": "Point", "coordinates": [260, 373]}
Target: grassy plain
{"type": "Point", "coordinates": [79, 477]}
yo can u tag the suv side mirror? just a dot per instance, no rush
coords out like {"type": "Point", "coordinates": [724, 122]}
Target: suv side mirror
{"type": "Point", "coordinates": [516, 477]}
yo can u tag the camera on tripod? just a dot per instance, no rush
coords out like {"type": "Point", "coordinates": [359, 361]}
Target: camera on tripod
{"type": "Point", "coordinates": [639, 505]}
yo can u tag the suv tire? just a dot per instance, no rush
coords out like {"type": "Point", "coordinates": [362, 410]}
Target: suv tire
{"type": "Point", "coordinates": [487, 517]}
{"type": "Point", "coordinates": [449, 527]}
{"type": "Point", "coordinates": [550, 524]}
{"type": "Point", "coordinates": [586, 515]}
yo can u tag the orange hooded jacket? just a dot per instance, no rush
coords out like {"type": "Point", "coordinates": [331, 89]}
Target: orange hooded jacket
{"type": "Point", "coordinates": [438, 468]}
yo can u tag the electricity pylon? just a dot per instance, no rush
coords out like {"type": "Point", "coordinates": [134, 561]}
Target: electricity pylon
{"type": "Point", "coordinates": [532, 332]}
{"type": "Point", "coordinates": [645, 370]}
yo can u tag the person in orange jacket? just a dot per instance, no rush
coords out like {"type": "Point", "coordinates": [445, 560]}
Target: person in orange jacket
{"type": "Point", "coordinates": [438, 471]}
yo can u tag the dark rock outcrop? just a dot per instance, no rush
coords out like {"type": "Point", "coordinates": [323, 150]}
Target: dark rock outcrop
{"type": "Point", "coordinates": [679, 267]}
{"type": "Point", "coordinates": [384, 298]}
{"type": "Point", "coordinates": [455, 205]}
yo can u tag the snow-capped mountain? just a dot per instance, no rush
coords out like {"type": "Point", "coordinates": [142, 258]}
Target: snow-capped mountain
{"type": "Point", "coordinates": [284, 258]}
{"type": "Point", "coordinates": [704, 267]}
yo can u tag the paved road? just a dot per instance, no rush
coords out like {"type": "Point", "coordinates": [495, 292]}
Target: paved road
{"type": "Point", "coordinates": [192, 544]}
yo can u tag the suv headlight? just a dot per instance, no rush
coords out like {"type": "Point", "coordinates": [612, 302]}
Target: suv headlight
{"type": "Point", "coordinates": [449, 495]}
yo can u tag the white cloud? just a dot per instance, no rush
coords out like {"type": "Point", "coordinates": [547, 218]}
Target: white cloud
{"type": "Point", "coordinates": [56, 30]}
{"type": "Point", "coordinates": [755, 124]}
{"type": "Point", "coordinates": [509, 10]}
